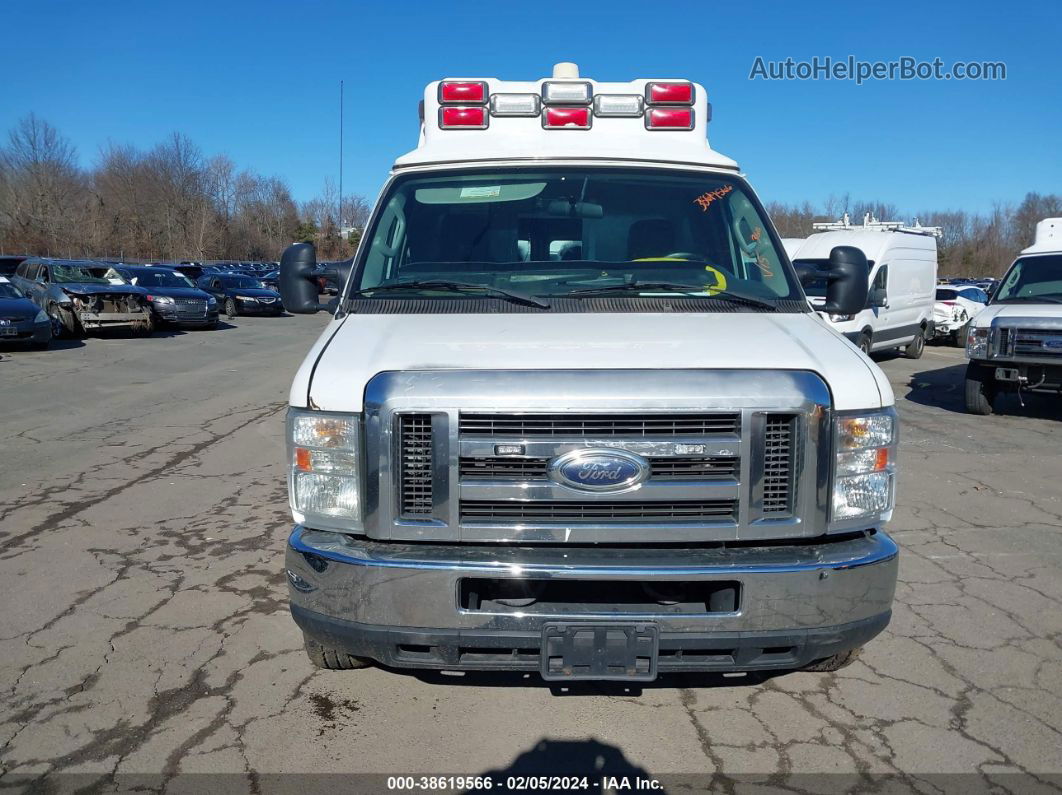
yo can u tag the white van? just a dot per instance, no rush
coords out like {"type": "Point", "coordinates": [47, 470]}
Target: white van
{"type": "Point", "coordinates": [903, 277]}
{"type": "Point", "coordinates": [573, 413]}
{"type": "Point", "coordinates": [1015, 343]}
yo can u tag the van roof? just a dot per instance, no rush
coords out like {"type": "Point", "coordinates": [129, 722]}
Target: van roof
{"type": "Point", "coordinates": [1048, 237]}
{"type": "Point", "coordinates": [874, 244]}
{"type": "Point", "coordinates": [500, 136]}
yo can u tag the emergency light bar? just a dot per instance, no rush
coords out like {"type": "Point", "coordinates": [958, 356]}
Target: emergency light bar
{"type": "Point", "coordinates": [567, 104]}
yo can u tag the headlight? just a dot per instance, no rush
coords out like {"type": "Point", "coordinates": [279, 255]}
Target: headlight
{"type": "Point", "coordinates": [325, 469]}
{"type": "Point", "coordinates": [246, 298]}
{"type": "Point", "coordinates": [864, 466]}
{"type": "Point", "coordinates": [42, 317]}
{"type": "Point", "coordinates": [840, 318]}
{"type": "Point", "coordinates": [211, 300]}
{"type": "Point", "coordinates": [977, 343]}
{"type": "Point", "coordinates": [160, 299]}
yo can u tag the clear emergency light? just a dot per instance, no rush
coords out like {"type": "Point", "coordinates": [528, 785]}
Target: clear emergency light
{"type": "Point", "coordinates": [566, 104]}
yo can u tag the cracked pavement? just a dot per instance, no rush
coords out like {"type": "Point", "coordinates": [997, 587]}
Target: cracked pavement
{"type": "Point", "coordinates": [145, 630]}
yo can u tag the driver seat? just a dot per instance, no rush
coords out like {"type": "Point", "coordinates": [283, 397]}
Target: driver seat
{"type": "Point", "coordinates": [650, 237]}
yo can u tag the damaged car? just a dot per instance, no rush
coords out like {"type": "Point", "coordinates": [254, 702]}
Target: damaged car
{"type": "Point", "coordinates": [78, 301]}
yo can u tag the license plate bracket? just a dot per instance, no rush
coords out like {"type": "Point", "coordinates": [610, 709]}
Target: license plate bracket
{"type": "Point", "coordinates": [7, 331]}
{"type": "Point", "coordinates": [599, 650]}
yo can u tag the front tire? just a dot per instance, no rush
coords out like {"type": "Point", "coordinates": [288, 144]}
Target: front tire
{"type": "Point", "coordinates": [863, 343]}
{"type": "Point", "coordinates": [67, 321]}
{"type": "Point", "coordinates": [834, 663]}
{"type": "Point", "coordinates": [332, 659]}
{"type": "Point", "coordinates": [980, 390]}
{"type": "Point", "coordinates": [916, 346]}
{"type": "Point", "coordinates": [230, 307]}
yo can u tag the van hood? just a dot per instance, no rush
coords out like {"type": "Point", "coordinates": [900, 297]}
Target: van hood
{"type": "Point", "coordinates": [354, 349]}
{"type": "Point", "coordinates": [1021, 309]}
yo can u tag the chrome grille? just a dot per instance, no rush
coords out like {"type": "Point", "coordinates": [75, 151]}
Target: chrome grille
{"type": "Point", "coordinates": [598, 511]}
{"type": "Point", "coordinates": [778, 444]}
{"type": "Point", "coordinates": [599, 425]}
{"type": "Point", "coordinates": [416, 498]}
{"type": "Point", "coordinates": [661, 468]}
{"type": "Point", "coordinates": [1030, 342]}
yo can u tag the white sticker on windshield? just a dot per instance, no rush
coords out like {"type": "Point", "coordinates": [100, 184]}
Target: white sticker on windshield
{"type": "Point", "coordinates": [481, 192]}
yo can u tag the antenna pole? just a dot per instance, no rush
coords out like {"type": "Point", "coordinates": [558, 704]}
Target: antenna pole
{"type": "Point", "coordinates": [341, 158]}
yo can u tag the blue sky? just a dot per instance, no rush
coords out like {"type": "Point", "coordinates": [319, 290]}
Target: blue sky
{"type": "Point", "coordinates": [259, 82]}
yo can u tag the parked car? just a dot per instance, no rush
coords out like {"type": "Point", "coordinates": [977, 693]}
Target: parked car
{"type": "Point", "coordinates": [173, 297]}
{"type": "Point", "coordinates": [271, 280]}
{"type": "Point", "coordinates": [955, 307]}
{"type": "Point", "coordinates": [9, 263]}
{"type": "Point", "coordinates": [241, 295]}
{"type": "Point", "coordinates": [78, 301]}
{"type": "Point", "coordinates": [21, 320]}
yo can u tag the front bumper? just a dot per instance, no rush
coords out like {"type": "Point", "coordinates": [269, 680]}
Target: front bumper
{"type": "Point", "coordinates": [258, 308]}
{"type": "Point", "coordinates": [26, 331]}
{"type": "Point", "coordinates": [402, 605]}
{"type": "Point", "coordinates": [171, 316]}
{"type": "Point", "coordinates": [111, 319]}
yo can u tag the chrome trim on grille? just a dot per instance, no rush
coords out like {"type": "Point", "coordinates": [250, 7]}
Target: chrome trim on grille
{"type": "Point", "coordinates": [743, 400]}
{"type": "Point", "coordinates": [1021, 338]}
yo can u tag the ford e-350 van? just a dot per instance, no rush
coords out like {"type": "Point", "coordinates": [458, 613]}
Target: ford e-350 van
{"type": "Point", "coordinates": [573, 413]}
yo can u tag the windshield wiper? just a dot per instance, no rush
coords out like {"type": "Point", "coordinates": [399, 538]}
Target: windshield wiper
{"type": "Point", "coordinates": [700, 289]}
{"type": "Point", "coordinates": [457, 287]}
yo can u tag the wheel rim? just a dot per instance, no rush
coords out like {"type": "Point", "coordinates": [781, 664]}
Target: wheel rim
{"type": "Point", "coordinates": [864, 345]}
{"type": "Point", "coordinates": [919, 342]}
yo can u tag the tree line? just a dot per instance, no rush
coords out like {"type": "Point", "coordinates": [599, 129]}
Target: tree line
{"type": "Point", "coordinates": [170, 202]}
{"type": "Point", "coordinates": [973, 244]}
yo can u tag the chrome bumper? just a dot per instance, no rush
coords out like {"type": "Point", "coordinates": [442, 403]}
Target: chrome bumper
{"type": "Point", "coordinates": [783, 587]}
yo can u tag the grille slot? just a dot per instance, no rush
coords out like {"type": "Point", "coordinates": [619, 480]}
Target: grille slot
{"type": "Point", "coordinates": [662, 468]}
{"type": "Point", "coordinates": [415, 489]}
{"type": "Point", "coordinates": [597, 425]}
{"type": "Point", "coordinates": [779, 442]}
{"type": "Point", "coordinates": [616, 511]}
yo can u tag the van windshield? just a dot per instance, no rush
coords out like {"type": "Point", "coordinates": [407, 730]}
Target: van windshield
{"type": "Point", "coordinates": [1032, 279]}
{"type": "Point", "coordinates": [573, 233]}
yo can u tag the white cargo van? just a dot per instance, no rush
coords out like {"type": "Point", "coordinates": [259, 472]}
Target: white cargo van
{"type": "Point", "coordinates": [903, 275]}
{"type": "Point", "coordinates": [573, 413]}
{"type": "Point", "coordinates": [1015, 343]}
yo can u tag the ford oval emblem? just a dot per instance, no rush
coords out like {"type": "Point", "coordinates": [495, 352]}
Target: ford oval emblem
{"type": "Point", "coordinates": [1052, 344]}
{"type": "Point", "coordinates": [599, 470]}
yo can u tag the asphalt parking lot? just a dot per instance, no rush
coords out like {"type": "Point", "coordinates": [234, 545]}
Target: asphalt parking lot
{"type": "Point", "coordinates": [144, 629]}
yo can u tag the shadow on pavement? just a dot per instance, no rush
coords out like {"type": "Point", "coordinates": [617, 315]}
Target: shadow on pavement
{"type": "Point", "coordinates": [945, 389]}
{"type": "Point", "coordinates": [595, 760]}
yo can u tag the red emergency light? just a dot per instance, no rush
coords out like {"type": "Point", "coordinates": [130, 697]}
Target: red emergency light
{"type": "Point", "coordinates": [465, 92]}
{"type": "Point", "coordinates": [566, 118]}
{"type": "Point", "coordinates": [669, 93]}
{"type": "Point", "coordinates": [463, 117]}
{"type": "Point", "coordinates": [669, 119]}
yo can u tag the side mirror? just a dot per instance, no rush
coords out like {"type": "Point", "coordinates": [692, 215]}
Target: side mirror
{"type": "Point", "coordinates": [877, 297]}
{"type": "Point", "coordinates": [846, 281]}
{"type": "Point", "coordinates": [806, 273]}
{"type": "Point", "coordinates": [297, 282]}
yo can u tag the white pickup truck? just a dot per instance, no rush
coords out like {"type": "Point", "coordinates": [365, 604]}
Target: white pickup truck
{"type": "Point", "coordinates": [573, 413]}
{"type": "Point", "coordinates": [1015, 343]}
